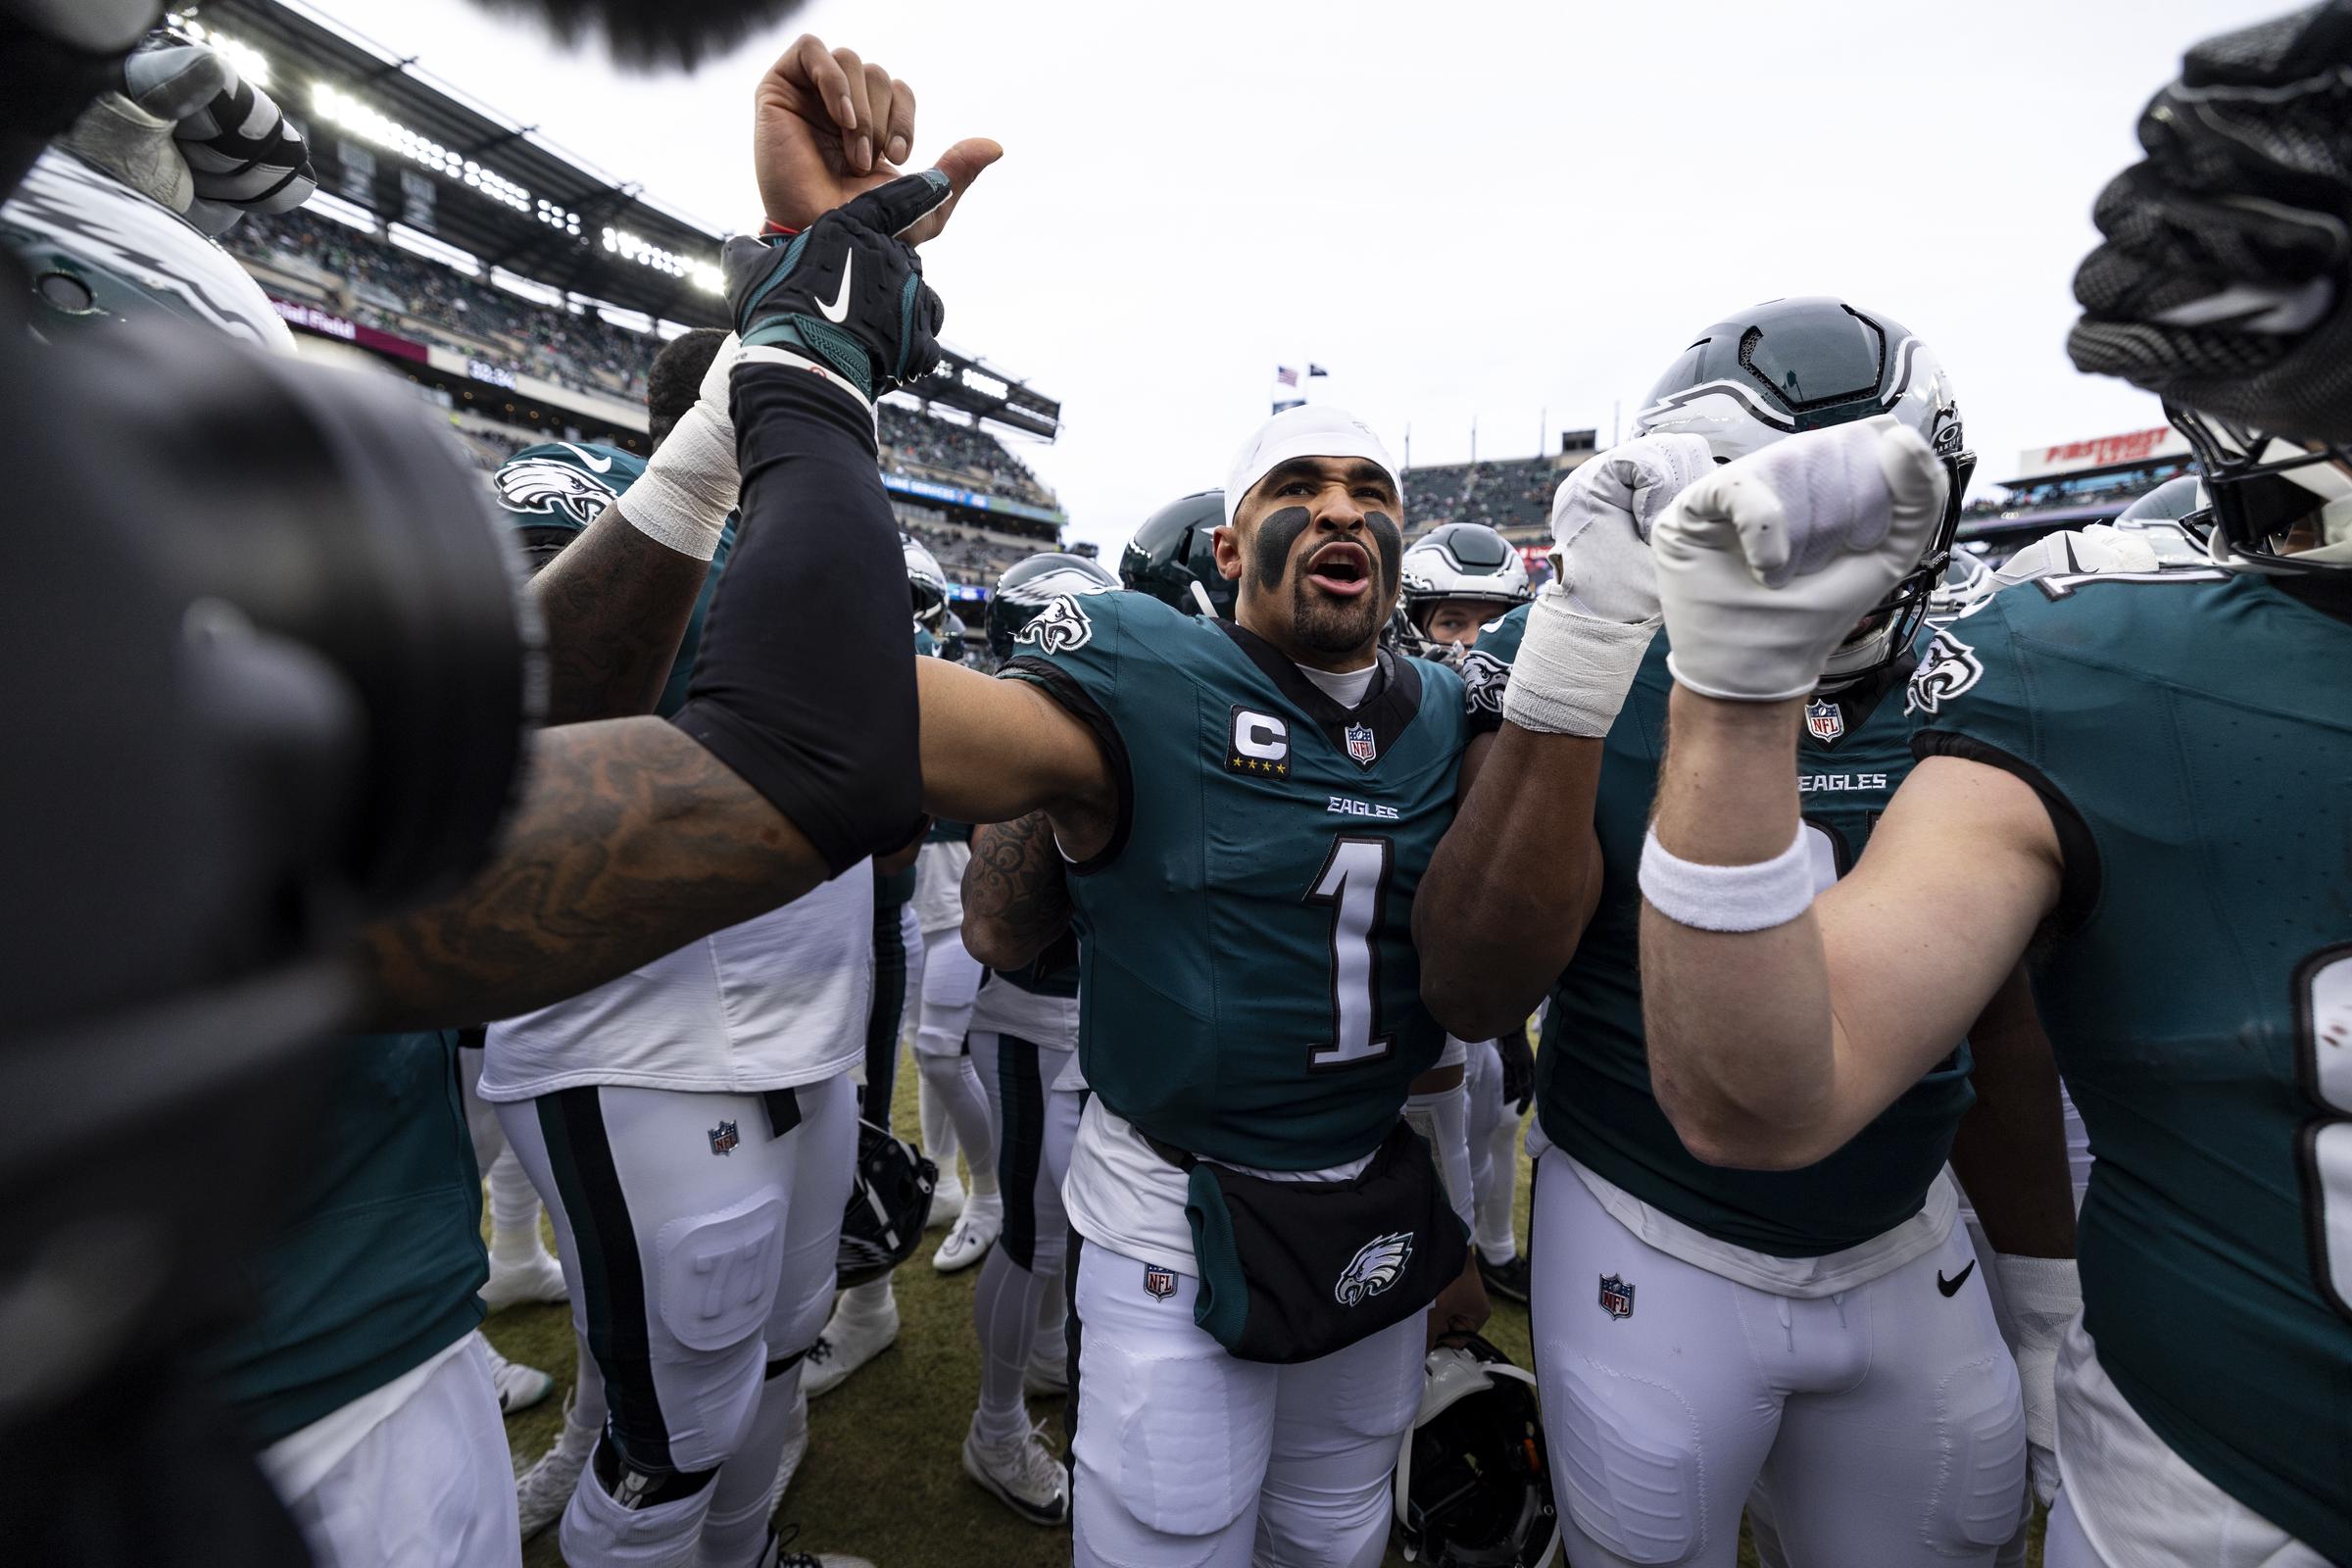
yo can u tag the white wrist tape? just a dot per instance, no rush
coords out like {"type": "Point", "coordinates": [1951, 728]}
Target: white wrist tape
{"type": "Point", "coordinates": [1573, 670]}
{"type": "Point", "coordinates": [1728, 898]}
{"type": "Point", "coordinates": [771, 354]}
{"type": "Point", "coordinates": [688, 488]}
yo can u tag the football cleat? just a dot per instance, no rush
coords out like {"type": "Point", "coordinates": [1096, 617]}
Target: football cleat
{"type": "Point", "coordinates": [537, 1280]}
{"type": "Point", "coordinates": [982, 1222]}
{"type": "Point", "coordinates": [519, 1386]}
{"type": "Point", "coordinates": [776, 1555]}
{"type": "Point", "coordinates": [1507, 1279]}
{"type": "Point", "coordinates": [542, 1491]}
{"type": "Point", "coordinates": [849, 1342]}
{"type": "Point", "coordinates": [1023, 1475]}
{"type": "Point", "coordinates": [947, 1199]}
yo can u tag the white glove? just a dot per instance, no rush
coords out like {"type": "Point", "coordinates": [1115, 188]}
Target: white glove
{"type": "Point", "coordinates": [2097, 548]}
{"type": "Point", "coordinates": [1588, 633]}
{"type": "Point", "coordinates": [691, 482]}
{"type": "Point", "coordinates": [2041, 1296]}
{"type": "Point", "coordinates": [1765, 564]}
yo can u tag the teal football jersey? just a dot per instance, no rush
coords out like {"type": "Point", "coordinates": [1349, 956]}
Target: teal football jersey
{"type": "Point", "coordinates": [376, 1266]}
{"type": "Point", "coordinates": [2192, 736]}
{"type": "Point", "coordinates": [1592, 1071]}
{"type": "Point", "coordinates": [565, 484]}
{"type": "Point", "coordinates": [1249, 985]}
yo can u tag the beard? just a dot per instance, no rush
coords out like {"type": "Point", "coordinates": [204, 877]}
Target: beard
{"type": "Point", "coordinates": [1325, 624]}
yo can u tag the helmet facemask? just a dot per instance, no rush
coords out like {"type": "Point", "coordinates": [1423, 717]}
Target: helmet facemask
{"type": "Point", "coordinates": [2261, 489]}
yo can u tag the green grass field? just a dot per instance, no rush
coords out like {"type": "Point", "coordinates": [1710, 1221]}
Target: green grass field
{"type": "Point", "coordinates": [882, 1479]}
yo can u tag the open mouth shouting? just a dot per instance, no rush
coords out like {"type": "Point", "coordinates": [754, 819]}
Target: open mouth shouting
{"type": "Point", "coordinates": [1341, 568]}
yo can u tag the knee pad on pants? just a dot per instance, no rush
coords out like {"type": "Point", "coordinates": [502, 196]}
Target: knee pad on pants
{"type": "Point", "coordinates": [1978, 1501]}
{"type": "Point", "coordinates": [1625, 1455]}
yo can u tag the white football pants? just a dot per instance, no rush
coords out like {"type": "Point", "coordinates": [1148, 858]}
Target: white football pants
{"type": "Point", "coordinates": [1021, 1287]}
{"type": "Point", "coordinates": [1882, 1424]}
{"type": "Point", "coordinates": [1189, 1459]}
{"type": "Point", "coordinates": [1494, 1136]}
{"type": "Point", "coordinates": [699, 1246]}
{"type": "Point", "coordinates": [955, 1106]}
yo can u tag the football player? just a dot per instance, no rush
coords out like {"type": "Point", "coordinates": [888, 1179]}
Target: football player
{"type": "Point", "coordinates": [1702, 1334]}
{"type": "Point", "coordinates": [1247, 806]}
{"type": "Point", "coordinates": [2117, 779]}
{"type": "Point", "coordinates": [737, 1046]}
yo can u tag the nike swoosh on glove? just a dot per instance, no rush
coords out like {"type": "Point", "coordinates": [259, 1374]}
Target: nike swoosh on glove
{"type": "Point", "coordinates": [845, 291]}
{"type": "Point", "coordinates": [1604, 513]}
{"type": "Point", "coordinates": [1766, 565]}
{"type": "Point", "coordinates": [2220, 282]}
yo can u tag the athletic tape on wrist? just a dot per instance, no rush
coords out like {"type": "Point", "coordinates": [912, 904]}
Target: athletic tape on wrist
{"type": "Point", "coordinates": [1727, 898]}
{"type": "Point", "coordinates": [1573, 670]}
{"type": "Point", "coordinates": [2043, 1294]}
{"type": "Point", "coordinates": [771, 354]}
{"type": "Point", "coordinates": [688, 488]}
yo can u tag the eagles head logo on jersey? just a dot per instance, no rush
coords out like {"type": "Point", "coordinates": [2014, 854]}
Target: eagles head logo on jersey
{"type": "Point", "coordinates": [1060, 628]}
{"type": "Point", "coordinates": [1378, 1264]}
{"type": "Point", "coordinates": [1485, 678]}
{"type": "Point", "coordinates": [1947, 667]}
{"type": "Point", "coordinates": [558, 489]}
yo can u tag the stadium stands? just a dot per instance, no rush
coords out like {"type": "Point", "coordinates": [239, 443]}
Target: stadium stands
{"type": "Point", "coordinates": [1513, 496]}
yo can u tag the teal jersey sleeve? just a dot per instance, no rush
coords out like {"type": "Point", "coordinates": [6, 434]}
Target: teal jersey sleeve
{"type": "Point", "coordinates": [1250, 988]}
{"type": "Point", "coordinates": [1593, 1093]}
{"type": "Point", "coordinates": [926, 646]}
{"type": "Point", "coordinates": [2191, 737]}
{"type": "Point", "coordinates": [377, 1263]}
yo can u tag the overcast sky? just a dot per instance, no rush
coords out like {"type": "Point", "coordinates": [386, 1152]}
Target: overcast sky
{"type": "Point", "coordinates": [1513, 213]}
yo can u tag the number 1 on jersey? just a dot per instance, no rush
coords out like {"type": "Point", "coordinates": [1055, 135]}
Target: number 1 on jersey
{"type": "Point", "coordinates": [1354, 885]}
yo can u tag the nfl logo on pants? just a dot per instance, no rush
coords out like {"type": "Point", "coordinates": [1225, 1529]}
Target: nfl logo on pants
{"type": "Point", "coordinates": [725, 1138]}
{"type": "Point", "coordinates": [1616, 1297]}
{"type": "Point", "coordinates": [1158, 1283]}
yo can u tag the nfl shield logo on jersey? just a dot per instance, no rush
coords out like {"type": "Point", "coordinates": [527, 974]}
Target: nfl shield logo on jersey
{"type": "Point", "coordinates": [1160, 1281]}
{"type": "Point", "coordinates": [1824, 721]}
{"type": "Point", "coordinates": [1360, 745]}
{"type": "Point", "coordinates": [1616, 1297]}
{"type": "Point", "coordinates": [723, 1137]}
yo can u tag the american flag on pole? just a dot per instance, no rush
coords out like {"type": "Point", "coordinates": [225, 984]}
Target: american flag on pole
{"type": "Point", "coordinates": [1286, 376]}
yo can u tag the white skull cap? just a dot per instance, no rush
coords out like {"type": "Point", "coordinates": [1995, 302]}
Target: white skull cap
{"type": "Point", "coordinates": [1309, 430]}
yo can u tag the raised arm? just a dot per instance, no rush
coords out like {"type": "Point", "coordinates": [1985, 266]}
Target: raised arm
{"type": "Point", "coordinates": [995, 749]}
{"type": "Point", "coordinates": [1779, 1023]}
{"type": "Point", "coordinates": [1507, 893]}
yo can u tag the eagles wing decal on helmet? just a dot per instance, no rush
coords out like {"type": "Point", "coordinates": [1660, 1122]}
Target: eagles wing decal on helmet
{"type": "Point", "coordinates": [553, 487]}
{"type": "Point", "coordinates": [1947, 667]}
{"type": "Point", "coordinates": [1378, 1264]}
{"type": "Point", "coordinates": [1045, 587]}
{"type": "Point", "coordinates": [1059, 628]}
{"type": "Point", "coordinates": [1484, 680]}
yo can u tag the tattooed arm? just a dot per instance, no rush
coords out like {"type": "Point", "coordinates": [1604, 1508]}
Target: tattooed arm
{"type": "Point", "coordinates": [1015, 901]}
{"type": "Point", "coordinates": [615, 603]}
{"type": "Point", "coordinates": [630, 839]}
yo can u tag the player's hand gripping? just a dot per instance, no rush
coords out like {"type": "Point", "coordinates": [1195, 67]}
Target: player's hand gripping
{"type": "Point", "coordinates": [2223, 282]}
{"type": "Point", "coordinates": [827, 126]}
{"type": "Point", "coordinates": [1588, 633]}
{"type": "Point", "coordinates": [1766, 565]}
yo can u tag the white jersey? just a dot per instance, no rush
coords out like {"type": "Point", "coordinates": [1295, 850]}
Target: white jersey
{"type": "Point", "coordinates": [938, 883]}
{"type": "Point", "coordinates": [1123, 1196]}
{"type": "Point", "coordinates": [776, 1001]}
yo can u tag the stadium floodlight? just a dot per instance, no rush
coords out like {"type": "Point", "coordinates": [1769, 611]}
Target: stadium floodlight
{"type": "Point", "coordinates": [251, 63]}
{"type": "Point", "coordinates": [987, 385]}
{"type": "Point", "coordinates": [704, 276]}
{"type": "Point", "coordinates": [340, 109]}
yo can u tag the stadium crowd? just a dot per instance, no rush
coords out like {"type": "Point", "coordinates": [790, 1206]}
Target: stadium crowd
{"type": "Point", "coordinates": [1319, 801]}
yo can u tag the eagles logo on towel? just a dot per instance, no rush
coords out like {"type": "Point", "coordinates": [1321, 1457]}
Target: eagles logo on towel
{"type": "Point", "coordinates": [1059, 628]}
{"type": "Point", "coordinates": [1378, 1264]}
{"type": "Point", "coordinates": [559, 489]}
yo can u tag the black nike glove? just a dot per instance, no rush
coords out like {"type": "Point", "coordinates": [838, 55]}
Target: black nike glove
{"type": "Point", "coordinates": [2224, 281]}
{"type": "Point", "coordinates": [1518, 1071]}
{"type": "Point", "coordinates": [845, 292]}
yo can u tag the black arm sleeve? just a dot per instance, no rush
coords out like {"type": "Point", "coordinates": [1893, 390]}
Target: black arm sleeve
{"type": "Point", "coordinates": [833, 748]}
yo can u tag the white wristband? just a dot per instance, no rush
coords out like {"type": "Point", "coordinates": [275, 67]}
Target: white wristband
{"type": "Point", "coordinates": [688, 488]}
{"type": "Point", "coordinates": [1572, 670]}
{"type": "Point", "coordinates": [771, 354]}
{"type": "Point", "coordinates": [1728, 898]}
